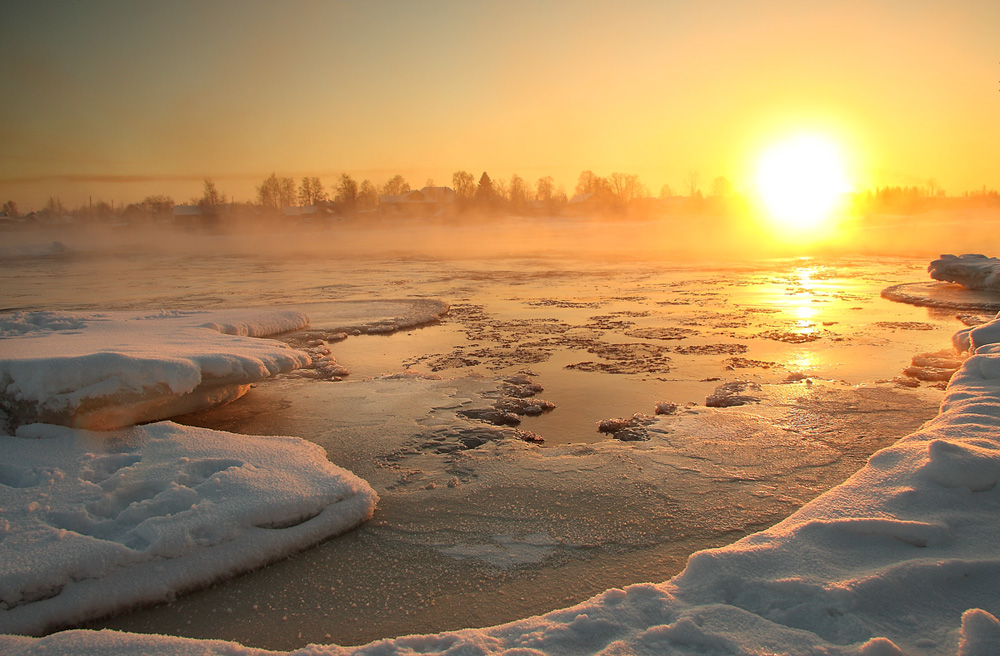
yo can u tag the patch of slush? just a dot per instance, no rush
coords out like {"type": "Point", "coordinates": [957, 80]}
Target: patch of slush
{"type": "Point", "coordinates": [95, 523]}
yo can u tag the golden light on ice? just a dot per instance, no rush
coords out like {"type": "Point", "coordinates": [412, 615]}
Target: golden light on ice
{"type": "Point", "coordinates": [800, 181]}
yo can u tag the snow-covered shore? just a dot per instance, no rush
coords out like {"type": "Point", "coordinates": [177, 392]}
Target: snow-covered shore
{"type": "Point", "coordinates": [899, 559]}
{"type": "Point", "coordinates": [96, 522]}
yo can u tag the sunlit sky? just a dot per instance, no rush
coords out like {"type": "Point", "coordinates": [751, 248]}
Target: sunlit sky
{"type": "Point", "coordinates": [119, 100]}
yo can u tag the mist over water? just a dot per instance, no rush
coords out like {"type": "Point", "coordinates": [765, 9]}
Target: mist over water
{"type": "Point", "coordinates": [609, 317]}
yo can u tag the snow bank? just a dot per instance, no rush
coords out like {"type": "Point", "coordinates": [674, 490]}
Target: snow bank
{"type": "Point", "coordinates": [970, 270]}
{"type": "Point", "coordinates": [899, 559]}
{"type": "Point", "coordinates": [112, 369]}
{"type": "Point", "coordinates": [93, 523]}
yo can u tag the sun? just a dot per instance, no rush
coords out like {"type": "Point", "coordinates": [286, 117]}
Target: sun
{"type": "Point", "coordinates": [800, 181]}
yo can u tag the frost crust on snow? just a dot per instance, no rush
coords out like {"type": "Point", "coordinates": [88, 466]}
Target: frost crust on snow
{"type": "Point", "coordinates": [93, 523]}
{"type": "Point", "coordinates": [113, 369]}
{"type": "Point", "coordinates": [970, 270]}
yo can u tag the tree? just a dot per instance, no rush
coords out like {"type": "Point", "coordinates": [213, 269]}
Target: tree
{"type": "Point", "coordinates": [311, 192]}
{"type": "Point", "coordinates": [518, 192]}
{"type": "Point", "coordinates": [587, 183]}
{"type": "Point", "coordinates": [157, 204]}
{"type": "Point", "coordinates": [269, 193]}
{"type": "Point", "coordinates": [347, 194]}
{"type": "Point", "coordinates": [691, 182]}
{"type": "Point", "coordinates": [625, 187]}
{"type": "Point", "coordinates": [367, 196]}
{"type": "Point", "coordinates": [55, 206]}
{"type": "Point", "coordinates": [721, 187]}
{"type": "Point", "coordinates": [286, 192]}
{"type": "Point", "coordinates": [211, 196]}
{"type": "Point", "coordinates": [10, 208]}
{"type": "Point", "coordinates": [666, 191]}
{"type": "Point", "coordinates": [544, 189]}
{"type": "Point", "coordinates": [395, 186]}
{"type": "Point", "coordinates": [484, 191]}
{"type": "Point", "coordinates": [464, 184]}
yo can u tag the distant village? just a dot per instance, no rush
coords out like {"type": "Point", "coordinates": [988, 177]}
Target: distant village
{"type": "Point", "coordinates": [282, 200]}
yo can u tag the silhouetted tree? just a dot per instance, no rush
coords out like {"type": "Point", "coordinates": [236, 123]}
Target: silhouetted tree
{"type": "Point", "coordinates": [286, 192]}
{"type": "Point", "coordinates": [269, 193]}
{"type": "Point", "coordinates": [395, 186]}
{"type": "Point", "coordinates": [518, 192]}
{"type": "Point", "coordinates": [347, 194]}
{"type": "Point", "coordinates": [625, 187]}
{"type": "Point", "coordinates": [485, 193]}
{"type": "Point", "coordinates": [587, 183]}
{"type": "Point", "coordinates": [55, 206]}
{"type": "Point", "coordinates": [691, 182]}
{"type": "Point", "coordinates": [721, 187]}
{"type": "Point", "coordinates": [10, 208]}
{"type": "Point", "coordinates": [464, 184]}
{"type": "Point", "coordinates": [367, 196]}
{"type": "Point", "coordinates": [311, 192]}
{"type": "Point", "coordinates": [545, 188]}
{"type": "Point", "coordinates": [211, 196]}
{"type": "Point", "coordinates": [666, 191]}
{"type": "Point", "coordinates": [157, 204]}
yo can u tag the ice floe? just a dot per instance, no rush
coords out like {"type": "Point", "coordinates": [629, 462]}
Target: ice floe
{"type": "Point", "coordinates": [103, 370]}
{"type": "Point", "coordinates": [970, 270]}
{"type": "Point", "coordinates": [96, 522]}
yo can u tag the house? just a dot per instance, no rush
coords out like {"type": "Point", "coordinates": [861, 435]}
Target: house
{"type": "Point", "coordinates": [198, 214]}
{"type": "Point", "coordinates": [428, 201]}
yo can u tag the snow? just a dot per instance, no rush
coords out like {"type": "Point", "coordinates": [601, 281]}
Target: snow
{"type": "Point", "coordinates": [111, 369]}
{"type": "Point", "coordinates": [899, 559]}
{"type": "Point", "coordinates": [970, 270]}
{"type": "Point", "coordinates": [96, 522]}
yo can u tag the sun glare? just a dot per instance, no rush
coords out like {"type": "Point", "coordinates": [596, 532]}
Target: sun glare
{"type": "Point", "coordinates": [800, 181]}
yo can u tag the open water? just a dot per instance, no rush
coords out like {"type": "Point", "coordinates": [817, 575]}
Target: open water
{"type": "Point", "coordinates": [475, 525]}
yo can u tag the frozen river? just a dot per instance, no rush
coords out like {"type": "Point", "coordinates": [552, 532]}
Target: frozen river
{"type": "Point", "coordinates": [478, 522]}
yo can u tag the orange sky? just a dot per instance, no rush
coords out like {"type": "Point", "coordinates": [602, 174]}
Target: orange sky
{"type": "Point", "coordinates": [119, 100]}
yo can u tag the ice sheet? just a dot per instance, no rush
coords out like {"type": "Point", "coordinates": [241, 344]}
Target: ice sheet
{"type": "Point", "coordinates": [112, 369]}
{"type": "Point", "coordinates": [970, 270]}
{"type": "Point", "coordinates": [898, 559]}
{"type": "Point", "coordinates": [96, 522]}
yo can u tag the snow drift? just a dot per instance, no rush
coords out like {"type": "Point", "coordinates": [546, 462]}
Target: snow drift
{"type": "Point", "coordinates": [94, 522]}
{"type": "Point", "coordinates": [972, 271]}
{"type": "Point", "coordinates": [112, 369]}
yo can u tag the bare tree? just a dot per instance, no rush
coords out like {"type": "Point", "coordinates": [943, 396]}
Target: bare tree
{"type": "Point", "coordinates": [367, 196]}
{"type": "Point", "coordinates": [721, 187]}
{"type": "Point", "coordinates": [211, 196]}
{"type": "Point", "coordinates": [464, 184]}
{"type": "Point", "coordinates": [666, 191]}
{"type": "Point", "coordinates": [395, 186]}
{"type": "Point", "coordinates": [691, 182]}
{"type": "Point", "coordinates": [269, 193]}
{"type": "Point", "coordinates": [544, 189]}
{"type": "Point", "coordinates": [625, 187]}
{"type": "Point", "coordinates": [347, 194]}
{"type": "Point", "coordinates": [587, 183]}
{"type": "Point", "coordinates": [286, 192]}
{"type": "Point", "coordinates": [311, 191]}
{"type": "Point", "coordinates": [518, 191]}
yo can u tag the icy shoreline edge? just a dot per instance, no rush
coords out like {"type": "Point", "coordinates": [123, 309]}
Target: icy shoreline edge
{"type": "Point", "coordinates": [898, 559]}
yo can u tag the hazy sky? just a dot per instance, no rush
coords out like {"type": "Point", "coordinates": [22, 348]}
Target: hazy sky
{"type": "Point", "coordinates": [119, 100]}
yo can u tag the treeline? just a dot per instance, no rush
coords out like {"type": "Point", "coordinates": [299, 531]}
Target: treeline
{"type": "Point", "coordinates": [615, 193]}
